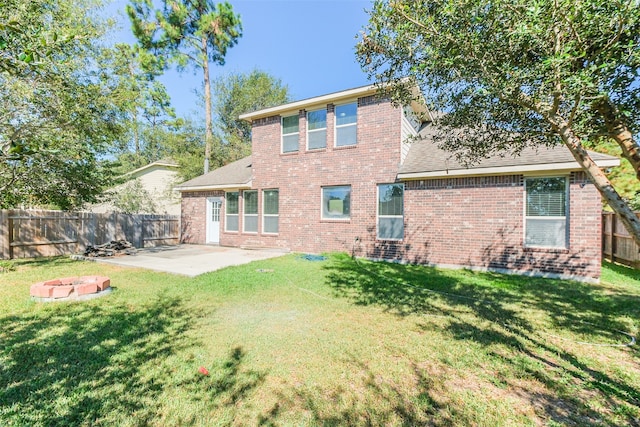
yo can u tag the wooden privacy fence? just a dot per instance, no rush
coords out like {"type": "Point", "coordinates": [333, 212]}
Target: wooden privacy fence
{"type": "Point", "coordinates": [617, 244]}
{"type": "Point", "coordinates": [32, 233]}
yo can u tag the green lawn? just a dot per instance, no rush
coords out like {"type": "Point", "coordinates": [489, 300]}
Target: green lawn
{"type": "Point", "coordinates": [288, 341]}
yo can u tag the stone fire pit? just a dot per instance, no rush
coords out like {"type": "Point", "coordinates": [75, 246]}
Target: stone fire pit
{"type": "Point", "coordinates": [82, 287]}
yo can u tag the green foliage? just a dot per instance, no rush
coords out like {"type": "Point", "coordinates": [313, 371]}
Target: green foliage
{"type": "Point", "coordinates": [515, 73]}
{"type": "Point", "coordinates": [501, 68]}
{"type": "Point", "coordinates": [6, 266]}
{"type": "Point", "coordinates": [236, 94]}
{"type": "Point", "coordinates": [622, 177]}
{"type": "Point", "coordinates": [56, 116]}
{"type": "Point", "coordinates": [188, 33]}
{"type": "Point", "coordinates": [177, 29]}
{"type": "Point", "coordinates": [132, 198]}
{"type": "Point", "coordinates": [182, 140]}
{"type": "Point", "coordinates": [131, 73]}
{"type": "Point", "coordinates": [186, 147]}
{"type": "Point", "coordinates": [34, 32]}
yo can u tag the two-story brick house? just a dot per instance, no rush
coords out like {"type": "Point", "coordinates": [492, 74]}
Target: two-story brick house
{"type": "Point", "coordinates": [340, 172]}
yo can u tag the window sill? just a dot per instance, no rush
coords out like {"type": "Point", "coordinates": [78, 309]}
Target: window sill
{"type": "Point", "coordinates": [343, 221]}
{"type": "Point", "coordinates": [251, 233]}
{"type": "Point", "coordinates": [546, 249]}
{"type": "Point", "coordinates": [316, 150]}
{"type": "Point", "coordinates": [231, 231]}
{"type": "Point", "coordinates": [290, 153]}
{"type": "Point", "coordinates": [378, 239]}
{"type": "Point", "coordinates": [269, 234]}
{"type": "Point", "coordinates": [345, 147]}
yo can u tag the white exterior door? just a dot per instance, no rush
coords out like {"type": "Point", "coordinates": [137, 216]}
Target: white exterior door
{"type": "Point", "coordinates": [214, 208]}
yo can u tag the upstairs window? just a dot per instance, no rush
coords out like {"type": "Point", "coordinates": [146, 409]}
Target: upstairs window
{"type": "Point", "coordinates": [391, 211]}
{"type": "Point", "coordinates": [346, 124]}
{"type": "Point", "coordinates": [231, 222]}
{"type": "Point", "coordinates": [250, 223]}
{"type": "Point", "coordinates": [316, 129]}
{"type": "Point", "coordinates": [546, 212]}
{"type": "Point", "coordinates": [336, 202]}
{"type": "Point", "coordinates": [290, 133]}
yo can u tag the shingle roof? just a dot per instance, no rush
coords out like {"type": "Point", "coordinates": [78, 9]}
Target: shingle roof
{"type": "Point", "coordinates": [234, 175]}
{"type": "Point", "coordinates": [426, 159]}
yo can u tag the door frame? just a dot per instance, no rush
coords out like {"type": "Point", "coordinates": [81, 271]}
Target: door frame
{"type": "Point", "coordinates": [209, 228]}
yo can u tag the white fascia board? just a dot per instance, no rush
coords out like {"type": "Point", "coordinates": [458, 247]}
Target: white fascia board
{"type": "Point", "coordinates": [230, 187]}
{"type": "Point", "coordinates": [310, 103]}
{"type": "Point", "coordinates": [506, 170]}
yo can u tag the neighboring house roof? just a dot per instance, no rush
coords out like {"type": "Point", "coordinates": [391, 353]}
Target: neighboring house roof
{"type": "Point", "coordinates": [164, 162]}
{"type": "Point", "coordinates": [426, 160]}
{"type": "Point", "coordinates": [234, 175]}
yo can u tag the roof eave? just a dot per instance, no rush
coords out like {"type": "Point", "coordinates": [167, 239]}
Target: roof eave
{"type": "Point", "coordinates": [506, 170]}
{"type": "Point", "coordinates": [310, 102]}
{"type": "Point", "coordinates": [240, 186]}
{"type": "Point", "coordinates": [151, 165]}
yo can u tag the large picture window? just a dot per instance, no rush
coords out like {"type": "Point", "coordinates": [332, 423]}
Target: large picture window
{"type": "Point", "coordinates": [250, 223]}
{"type": "Point", "coordinates": [546, 212]}
{"type": "Point", "coordinates": [231, 210]}
{"type": "Point", "coordinates": [290, 133]}
{"type": "Point", "coordinates": [346, 124]}
{"type": "Point", "coordinates": [270, 211]}
{"type": "Point", "coordinates": [316, 129]}
{"type": "Point", "coordinates": [336, 202]}
{"type": "Point", "coordinates": [391, 211]}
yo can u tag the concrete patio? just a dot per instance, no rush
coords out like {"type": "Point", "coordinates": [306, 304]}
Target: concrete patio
{"type": "Point", "coordinates": [188, 260]}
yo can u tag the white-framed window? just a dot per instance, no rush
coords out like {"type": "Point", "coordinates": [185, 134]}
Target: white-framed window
{"type": "Point", "coordinates": [346, 120]}
{"type": "Point", "coordinates": [546, 212]}
{"type": "Point", "coordinates": [316, 129]}
{"type": "Point", "coordinates": [390, 211]}
{"type": "Point", "coordinates": [250, 210]}
{"type": "Point", "coordinates": [270, 211]}
{"type": "Point", "coordinates": [231, 211]}
{"type": "Point", "coordinates": [290, 133]}
{"type": "Point", "coordinates": [336, 202]}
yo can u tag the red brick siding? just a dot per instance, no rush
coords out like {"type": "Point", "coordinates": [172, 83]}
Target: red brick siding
{"type": "Point", "coordinates": [194, 214]}
{"type": "Point", "coordinates": [479, 223]}
{"type": "Point", "coordinates": [300, 176]}
{"type": "Point", "coordinates": [473, 222]}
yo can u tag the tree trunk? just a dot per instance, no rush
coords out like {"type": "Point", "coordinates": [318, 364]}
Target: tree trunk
{"type": "Point", "coordinates": [621, 134]}
{"type": "Point", "coordinates": [629, 219]}
{"type": "Point", "coordinates": [208, 137]}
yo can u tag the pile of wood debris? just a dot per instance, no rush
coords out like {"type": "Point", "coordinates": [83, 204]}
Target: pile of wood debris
{"type": "Point", "coordinates": [113, 248]}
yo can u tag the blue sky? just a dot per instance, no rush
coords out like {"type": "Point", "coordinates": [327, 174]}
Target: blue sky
{"type": "Point", "coordinates": [308, 44]}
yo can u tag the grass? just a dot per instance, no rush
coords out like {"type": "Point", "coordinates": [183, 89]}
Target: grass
{"type": "Point", "coordinates": [292, 342]}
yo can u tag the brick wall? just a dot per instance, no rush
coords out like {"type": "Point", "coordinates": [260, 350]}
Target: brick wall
{"type": "Point", "coordinates": [194, 215]}
{"type": "Point", "coordinates": [479, 223]}
{"type": "Point", "coordinates": [470, 222]}
{"type": "Point", "coordinates": [300, 176]}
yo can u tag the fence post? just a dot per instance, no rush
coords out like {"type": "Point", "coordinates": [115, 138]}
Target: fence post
{"type": "Point", "coordinates": [613, 244]}
{"type": "Point", "coordinates": [4, 234]}
{"type": "Point", "coordinates": [138, 224]}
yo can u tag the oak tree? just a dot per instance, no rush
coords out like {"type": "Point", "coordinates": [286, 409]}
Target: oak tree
{"type": "Point", "coordinates": [515, 73]}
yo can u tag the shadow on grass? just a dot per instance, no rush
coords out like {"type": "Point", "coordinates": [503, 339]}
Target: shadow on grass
{"type": "Point", "coordinates": [376, 403]}
{"type": "Point", "coordinates": [90, 364]}
{"type": "Point", "coordinates": [623, 271]}
{"type": "Point", "coordinates": [75, 364]}
{"type": "Point", "coordinates": [227, 383]}
{"type": "Point", "coordinates": [493, 309]}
